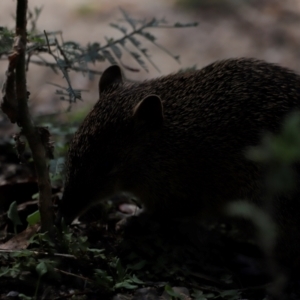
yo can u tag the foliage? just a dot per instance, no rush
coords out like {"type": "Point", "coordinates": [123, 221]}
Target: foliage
{"type": "Point", "coordinates": [279, 153]}
{"type": "Point", "coordinates": [71, 56]}
{"type": "Point", "coordinates": [13, 215]}
{"type": "Point", "coordinates": [42, 261]}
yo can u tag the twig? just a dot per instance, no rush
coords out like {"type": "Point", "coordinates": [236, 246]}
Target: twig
{"type": "Point", "coordinates": [71, 274]}
{"type": "Point", "coordinates": [72, 93]}
{"type": "Point", "coordinates": [39, 253]}
{"type": "Point", "coordinates": [54, 65]}
{"type": "Point", "coordinates": [16, 99]}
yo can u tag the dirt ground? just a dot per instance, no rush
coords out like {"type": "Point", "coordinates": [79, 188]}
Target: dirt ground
{"type": "Point", "coordinates": [268, 30]}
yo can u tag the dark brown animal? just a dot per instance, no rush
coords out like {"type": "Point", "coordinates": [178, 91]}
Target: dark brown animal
{"type": "Point", "coordinates": [178, 142]}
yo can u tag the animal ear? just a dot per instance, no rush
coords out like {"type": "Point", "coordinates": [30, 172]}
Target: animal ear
{"type": "Point", "coordinates": [149, 112]}
{"type": "Point", "coordinates": [111, 76]}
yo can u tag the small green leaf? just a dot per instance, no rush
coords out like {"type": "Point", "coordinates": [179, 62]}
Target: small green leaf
{"type": "Point", "coordinates": [41, 268]}
{"type": "Point", "coordinates": [24, 253]}
{"type": "Point", "coordinates": [4, 271]}
{"type": "Point", "coordinates": [230, 294]}
{"type": "Point", "coordinates": [194, 24]}
{"type": "Point", "coordinates": [199, 295]}
{"type": "Point", "coordinates": [117, 26]}
{"type": "Point", "coordinates": [172, 293]}
{"type": "Point", "coordinates": [109, 57]}
{"type": "Point", "coordinates": [136, 280]}
{"type": "Point", "coordinates": [38, 40]}
{"type": "Point", "coordinates": [116, 50]}
{"type": "Point", "coordinates": [148, 36]}
{"type": "Point", "coordinates": [126, 284]}
{"type": "Point", "coordinates": [138, 266]}
{"type": "Point", "coordinates": [13, 214]}
{"type": "Point", "coordinates": [33, 218]}
{"type": "Point", "coordinates": [24, 297]}
{"type": "Point", "coordinates": [97, 252]}
{"type": "Point", "coordinates": [131, 21]}
{"type": "Point", "coordinates": [35, 196]}
{"type": "Point", "coordinates": [120, 270]}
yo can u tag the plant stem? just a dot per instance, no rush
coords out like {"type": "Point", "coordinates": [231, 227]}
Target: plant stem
{"type": "Point", "coordinates": [24, 120]}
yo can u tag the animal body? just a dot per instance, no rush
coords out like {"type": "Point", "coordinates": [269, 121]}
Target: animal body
{"type": "Point", "coordinates": [178, 142]}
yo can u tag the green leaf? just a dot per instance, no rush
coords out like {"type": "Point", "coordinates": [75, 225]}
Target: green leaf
{"type": "Point", "coordinates": [137, 57]}
{"type": "Point", "coordinates": [41, 268]}
{"type": "Point", "coordinates": [117, 26]}
{"type": "Point", "coordinates": [24, 297]}
{"type": "Point", "coordinates": [23, 253]}
{"type": "Point", "coordinates": [199, 295]}
{"type": "Point", "coordinates": [134, 41]}
{"type": "Point", "coordinates": [136, 280]}
{"type": "Point", "coordinates": [116, 50]}
{"type": "Point", "coordinates": [230, 294]}
{"type": "Point", "coordinates": [126, 284]}
{"type": "Point", "coordinates": [172, 293]}
{"type": "Point", "coordinates": [138, 266]}
{"type": "Point", "coordinates": [13, 214]}
{"type": "Point", "coordinates": [109, 57]}
{"type": "Point", "coordinates": [120, 270]}
{"type": "Point", "coordinates": [97, 252]}
{"type": "Point", "coordinates": [92, 54]}
{"type": "Point", "coordinates": [4, 271]}
{"type": "Point", "coordinates": [103, 279]}
{"type": "Point", "coordinates": [131, 21]}
{"type": "Point", "coordinates": [193, 24]}
{"type": "Point", "coordinates": [35, 196]}
{"type": "Point", "coordinates": [42, 239]}
{"type": "Point", "coordinates": [33, 218]}
{"type": "Point", "coordinates": [149, 36]}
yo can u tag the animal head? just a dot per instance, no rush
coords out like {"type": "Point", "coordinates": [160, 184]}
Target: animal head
{"type": "Point", "coordinates": [113, 149]}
